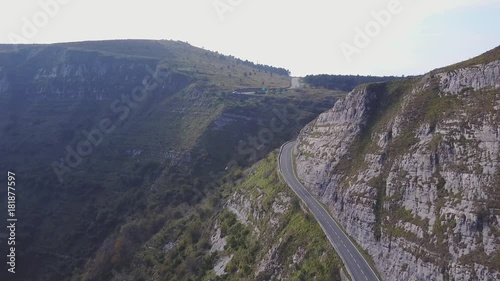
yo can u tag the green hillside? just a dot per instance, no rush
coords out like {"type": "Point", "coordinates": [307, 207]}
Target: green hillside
{"type": "Point", "coordinates": [176, 126]}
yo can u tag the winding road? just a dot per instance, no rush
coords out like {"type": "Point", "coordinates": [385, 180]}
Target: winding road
{"type": "Point", "coordinates": [356, 265]}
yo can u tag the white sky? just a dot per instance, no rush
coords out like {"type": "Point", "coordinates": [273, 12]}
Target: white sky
{"type": "Point", "coordinates": [303, 36]}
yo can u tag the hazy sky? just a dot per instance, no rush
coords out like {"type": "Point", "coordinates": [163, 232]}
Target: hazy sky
{"type": "Point", "coordinates": [377, 37]}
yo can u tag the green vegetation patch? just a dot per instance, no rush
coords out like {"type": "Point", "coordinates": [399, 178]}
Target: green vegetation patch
{"type": "Point", "coordinates": [296, 234]}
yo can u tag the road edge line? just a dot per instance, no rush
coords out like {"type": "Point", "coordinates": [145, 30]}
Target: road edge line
{"type": "Point", "coordinates": [338, 225]}
{"type": "Point", "coordinates": [314, 215]}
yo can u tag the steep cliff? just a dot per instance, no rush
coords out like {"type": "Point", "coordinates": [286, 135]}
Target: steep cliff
{"type": "Point", "coordinates": [410, 168]}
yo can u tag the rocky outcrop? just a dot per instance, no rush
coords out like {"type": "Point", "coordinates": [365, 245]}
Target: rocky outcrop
{"type": "Point", "coordinates": [64, 73]}
{"type": "Point", "coordinates": [262, 233]}
{"type": "Point", "coordinates": [341, 124]}
{"type": "Point", "coordinates": [411, 170]}
{"type": "Point", "coordinates": [476, 77]}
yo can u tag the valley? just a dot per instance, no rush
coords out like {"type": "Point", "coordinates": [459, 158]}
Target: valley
{"type": "Point", "coordinates": [157, 160]}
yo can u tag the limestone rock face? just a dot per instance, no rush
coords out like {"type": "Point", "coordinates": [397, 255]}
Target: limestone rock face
{"type": "Point", "coordinates": [477, 77]}
{"type": "Point", "coordinates": [54, 72]}
{"type": "Point", "coordinates": [411, 170]}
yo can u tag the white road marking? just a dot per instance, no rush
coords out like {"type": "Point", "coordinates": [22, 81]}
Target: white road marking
{"type": "Point", "coordinates": [313, 205]}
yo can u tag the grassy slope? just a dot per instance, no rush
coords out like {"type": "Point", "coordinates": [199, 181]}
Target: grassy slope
{"type": "Point", "coordinates": [487, 57]}
{"type": "Point", "coordinates": [220, 70]}
{"type": "Point", "coordinates": [190, 258]}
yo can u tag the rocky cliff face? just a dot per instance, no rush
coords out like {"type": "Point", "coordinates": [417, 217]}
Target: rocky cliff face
{"type": "Point", "coordinates": [58, 72]}
{"type": "Point", "coordinates": [410, 169]}
{"type": "Point", "coordinates": [476, 77]}
{"type": "Point", "coordinates": [261, 214]}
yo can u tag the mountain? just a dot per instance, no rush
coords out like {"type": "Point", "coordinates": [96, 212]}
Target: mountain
{"type": "Point", "coordinates": [157, 160]}
{"type": "Point", "coordinates": [410, 168]}
{"type": "Point", "coordinates": [114, 141]}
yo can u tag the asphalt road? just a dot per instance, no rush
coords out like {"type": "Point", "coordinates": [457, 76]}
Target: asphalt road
{"type": "Point", "coordinates": [356, 264]}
